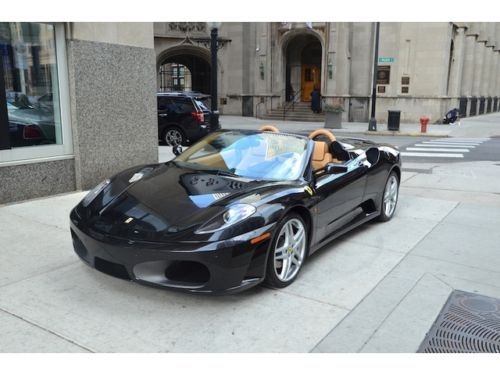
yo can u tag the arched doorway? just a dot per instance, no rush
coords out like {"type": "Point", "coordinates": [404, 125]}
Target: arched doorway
{"type": "Point", "coordinates": [184, 69]}
{"type": "Point", "coordinates": [303, 67]}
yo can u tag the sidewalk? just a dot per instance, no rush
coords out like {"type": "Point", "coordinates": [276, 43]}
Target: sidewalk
{"type": "Point", "coordinates": [377, 289]}
{"type": "Point", "coordinates": [479, 126]}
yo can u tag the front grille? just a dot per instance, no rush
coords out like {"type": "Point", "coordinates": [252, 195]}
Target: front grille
{"type": "Point", "coordinates": [110, 268]}
{"type": "Point", "coordinates": [468, 323]}
{"type": "Point", "coordinates": [187, 272]}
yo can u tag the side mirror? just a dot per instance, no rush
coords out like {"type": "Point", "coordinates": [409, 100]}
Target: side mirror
{"type": "Point", "coordinates": [373, 155]}
{"type": "Point", "coordinates": [177, 150]}
{"type": "Point", "coordinates": [332, 168]}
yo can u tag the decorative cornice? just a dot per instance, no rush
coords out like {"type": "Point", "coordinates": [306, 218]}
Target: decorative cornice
{"type": "Point", "coordinates": [187, 27]}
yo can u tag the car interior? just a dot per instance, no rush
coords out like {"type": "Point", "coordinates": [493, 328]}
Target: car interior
{"type": "Point", "coordinates": [325, 152]}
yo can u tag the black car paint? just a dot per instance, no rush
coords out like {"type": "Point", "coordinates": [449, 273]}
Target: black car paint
{"type": "Point", "coordinates": [166, 231]}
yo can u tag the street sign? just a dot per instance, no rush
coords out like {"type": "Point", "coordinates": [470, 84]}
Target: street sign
{"type": "Point", "coordinates": [386, 59]}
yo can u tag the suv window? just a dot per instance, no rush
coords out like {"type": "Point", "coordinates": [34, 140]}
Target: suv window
{"type": "Point", "coordinates": [202, 105]}
{"type": "Point", "coordinates": [183, 105]}
{"type": "Point", "coordinates": [175, 105]}
{"type": "Point", "coordinates": [164, 103]}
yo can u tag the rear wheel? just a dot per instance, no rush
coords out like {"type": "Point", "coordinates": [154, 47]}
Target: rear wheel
{"type": "Point", "coordinates": [390, 198]}
{"type": "Point", "coordinates": [288, 251]}
{"type": "Point", "coordinates": [173, 137]}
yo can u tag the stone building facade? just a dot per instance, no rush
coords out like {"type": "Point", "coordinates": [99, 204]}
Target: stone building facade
{"type": "Point", "coordinates": [424, 69]}
{"type": "Point", "coordinates": [77, 105]}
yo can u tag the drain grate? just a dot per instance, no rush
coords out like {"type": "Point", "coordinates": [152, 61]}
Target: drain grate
{"type": "Point", "coordinates": [468, 323]}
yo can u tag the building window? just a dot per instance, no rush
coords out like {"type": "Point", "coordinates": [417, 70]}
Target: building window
{"type": "Point", "coordinates": [175, 77]}
{"type": "Point", "coordinates": [31, 111]}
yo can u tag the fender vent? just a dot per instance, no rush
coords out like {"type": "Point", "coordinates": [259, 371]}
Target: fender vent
{"type": "Point", "coordinates": [468, 323]}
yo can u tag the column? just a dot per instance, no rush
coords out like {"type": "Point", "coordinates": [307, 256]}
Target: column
{"type": "Point", "coordinates": [468, 68]}
{"type": "Point", "coordinates": [486, 73]}
{"type": "Point", "coordinates": [458, 63]}
{"type": "Point", "coordinates": [478, 68]}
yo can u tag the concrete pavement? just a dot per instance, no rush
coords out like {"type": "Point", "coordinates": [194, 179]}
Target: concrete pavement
{"type": "Point", "coordinates": [377, 289]}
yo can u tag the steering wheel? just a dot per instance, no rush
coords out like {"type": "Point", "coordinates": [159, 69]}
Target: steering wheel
{"type": "Point", "coordinates": [269, 128]}
{"type": "Point", "coordinates": [328, 134]}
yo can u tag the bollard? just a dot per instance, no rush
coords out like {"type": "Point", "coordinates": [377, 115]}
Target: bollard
{"type": "Point", "coordinates": [423, 124]}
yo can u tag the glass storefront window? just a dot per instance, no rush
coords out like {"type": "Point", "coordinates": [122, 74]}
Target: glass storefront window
{"type": "Point", "coordinates": [30, 84]}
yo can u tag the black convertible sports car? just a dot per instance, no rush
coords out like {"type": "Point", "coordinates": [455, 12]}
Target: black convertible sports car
{"type": "Point", "coordinates": [235, 209]}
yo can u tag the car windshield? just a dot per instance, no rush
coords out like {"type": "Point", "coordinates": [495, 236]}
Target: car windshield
{"type": "Point", "coordinates": [262, 156]}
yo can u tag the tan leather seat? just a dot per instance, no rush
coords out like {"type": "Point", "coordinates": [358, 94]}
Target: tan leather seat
{"type": "Point", "coordinates": [321, 157]}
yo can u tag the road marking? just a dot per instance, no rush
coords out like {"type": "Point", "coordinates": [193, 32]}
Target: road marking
{"type": "Point", "coordinates": [464, 139]}
{"type": "Point", "coordinates": [438, 149]}
{"type": "Point", "coordinates": [456, 140]}
{"type": "Point", "coordinates": [454, 143]}
{"type": "Point", "coordinates": [447, 145]}
{"type": "Point", "coordinates": [432, 155]}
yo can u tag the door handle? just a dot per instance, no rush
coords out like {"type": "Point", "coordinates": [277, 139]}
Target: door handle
{"type": "Point", "coordinates": [162, 115]}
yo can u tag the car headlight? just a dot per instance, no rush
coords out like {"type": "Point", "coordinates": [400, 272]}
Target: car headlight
{"type": "Point", "coordinates": [234, 214]}
{"type": "Point", "coordinates": [94, 192]}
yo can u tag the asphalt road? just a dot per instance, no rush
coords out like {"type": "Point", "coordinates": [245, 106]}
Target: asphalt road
{"type": "Point", "coordinates": [440, 150]}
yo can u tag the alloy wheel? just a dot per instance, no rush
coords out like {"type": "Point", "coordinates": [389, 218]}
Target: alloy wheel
{"type": "Point", "coordinates": [390, 195]}
{"type": "Point", "coordinates": [289, 250]}
{"type": "Point", "coordinates": [173, 137]}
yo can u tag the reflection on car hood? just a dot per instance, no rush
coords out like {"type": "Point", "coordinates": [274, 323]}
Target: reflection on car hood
{"type": "Point", "coordinates": [172, 199]}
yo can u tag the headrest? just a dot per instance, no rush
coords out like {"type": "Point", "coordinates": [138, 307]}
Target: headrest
{"type": "Point", "coordinates": [320, 149]}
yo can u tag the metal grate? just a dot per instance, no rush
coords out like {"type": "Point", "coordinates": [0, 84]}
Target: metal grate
{"type": "Point", "coordinates": [468, 323]}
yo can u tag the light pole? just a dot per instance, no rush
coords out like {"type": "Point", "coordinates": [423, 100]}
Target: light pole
{"type": "Point", "coordinates": [372, 124]}
{"type": "Point", "coordinates": [214, 35]}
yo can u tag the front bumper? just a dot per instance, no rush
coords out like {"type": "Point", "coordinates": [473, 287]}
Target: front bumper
{"type": "Point", "coordinates": [221, 267]}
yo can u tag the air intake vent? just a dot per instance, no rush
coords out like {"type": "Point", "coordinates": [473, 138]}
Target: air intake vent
{"type": "Point", "coordinates": [468, 323]}
{"type": "Point", "coordinates": [235, 185]}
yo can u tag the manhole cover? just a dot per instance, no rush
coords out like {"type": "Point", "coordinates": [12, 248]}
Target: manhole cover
{"type": "Point", "coordinates": [468, 323]}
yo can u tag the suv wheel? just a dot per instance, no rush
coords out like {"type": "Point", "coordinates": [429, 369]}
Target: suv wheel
{"type": "Point", "coordinates": [173, 137]}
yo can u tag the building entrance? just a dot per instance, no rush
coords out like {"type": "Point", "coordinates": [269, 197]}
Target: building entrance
{"type": "Point", "coordinates": [311, 79]}
{"type": "Point", "coordinates": [303, 67]}
{"type": "Point", "coordinates": [183, 70]}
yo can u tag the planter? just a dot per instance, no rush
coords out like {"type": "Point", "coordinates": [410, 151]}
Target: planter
{"type": "Point", "coordinates": [333, 120]}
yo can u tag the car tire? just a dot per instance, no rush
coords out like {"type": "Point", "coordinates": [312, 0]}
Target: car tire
{"type": "Point", "coordinates": [173, 136]}
{"type": "Point", "coordinates": [389, 197]}
{"type": "Point", "coordinates": [287, 254]}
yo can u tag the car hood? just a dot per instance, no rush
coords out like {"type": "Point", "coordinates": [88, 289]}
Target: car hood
{"type": "Point", "coordinates": [171, 200]}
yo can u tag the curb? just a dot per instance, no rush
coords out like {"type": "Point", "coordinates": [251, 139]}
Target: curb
{"type": "Point", "coordinates": [400, 134]}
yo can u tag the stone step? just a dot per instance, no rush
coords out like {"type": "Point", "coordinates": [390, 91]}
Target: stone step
{"type": "Point", "coordinates": [296, 113]}
{"type": "Point", "coordinates": [290, 117]}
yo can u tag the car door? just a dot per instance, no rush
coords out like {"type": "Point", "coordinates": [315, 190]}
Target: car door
{"type": "Point", "coordinates": [163, 111]}
{"type": "Point", "coordinates": [339, 196]}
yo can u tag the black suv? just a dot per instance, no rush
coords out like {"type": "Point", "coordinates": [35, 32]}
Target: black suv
{"type": "Point", "coordinates": [184, 117]}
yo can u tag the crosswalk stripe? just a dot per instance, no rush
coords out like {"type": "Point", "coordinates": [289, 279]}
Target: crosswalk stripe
{"type": "Point", "coordinates": [464, 139]}
{"type": "Point", "coordinates": [438, 149]}
{"type": "Point", "coordinates": [443, 145]}
{"type": "Point", "coordinates": [454, 143]}
{"type": "Point", "coordinates": [452, 140]}
{"type": "Point", "coordinates": [432, 155]}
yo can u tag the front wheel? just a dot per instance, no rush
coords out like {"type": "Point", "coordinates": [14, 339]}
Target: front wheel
{"type": "Point", "coordinates": [288, 252]}
{"type": "Point", "coordinates": [390, 198]}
